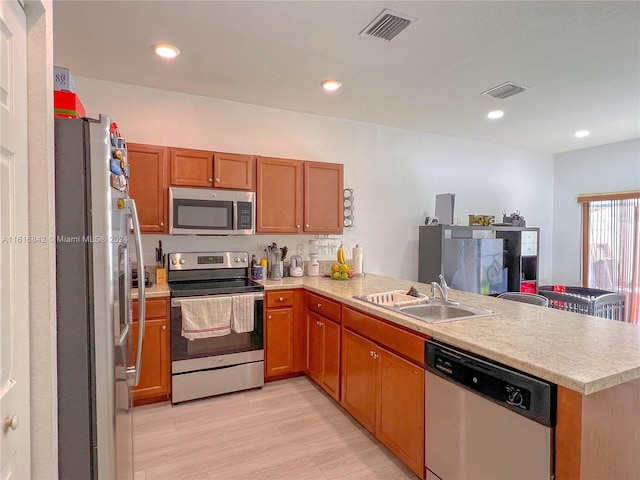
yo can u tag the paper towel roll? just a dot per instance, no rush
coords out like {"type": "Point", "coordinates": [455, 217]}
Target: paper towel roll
{"type": "Point", "coordinates": [357, 260]}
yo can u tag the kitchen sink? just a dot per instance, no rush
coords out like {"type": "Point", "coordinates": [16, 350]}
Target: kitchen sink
{"type": "Point", "coordinates": [423, 308]}
{"type": "Point", "coordinates": [437, 312]}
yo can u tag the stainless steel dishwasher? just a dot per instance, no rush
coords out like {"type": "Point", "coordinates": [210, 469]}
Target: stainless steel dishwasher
{"type": "Point", "coordinates": [484, 420]}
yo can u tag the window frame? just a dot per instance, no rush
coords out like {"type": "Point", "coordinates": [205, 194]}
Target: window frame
{"type": "Point", "coordinates": [584, 200]}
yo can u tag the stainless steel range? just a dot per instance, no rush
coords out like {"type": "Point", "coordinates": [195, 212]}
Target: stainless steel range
{"type": "Point", "coordinates": [217, 340]}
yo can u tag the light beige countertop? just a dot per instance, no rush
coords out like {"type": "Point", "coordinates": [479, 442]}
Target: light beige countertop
{"type": "Point", "coordinates": [580, 352]}
{"type": "Point", "coordinates": [155, 291]}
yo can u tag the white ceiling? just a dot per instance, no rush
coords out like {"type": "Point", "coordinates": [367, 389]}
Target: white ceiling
{"type": "Point", "coordinates": [581, 60]}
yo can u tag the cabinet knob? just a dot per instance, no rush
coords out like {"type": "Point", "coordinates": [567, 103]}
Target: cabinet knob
{"type": "Point", "coordinates": [319, 305]}
{"type": "Point", "coordinates": [11, 422]}
{"type": "Point", "coordinates": [269, 317]}
{"type": "Point", "coordinates": [281, 299]}
{"type": "Point", "coordinates": [318, 322]}
{"type": "Point", "coordinates": [164, 327]}
{"type": "Point", "coordinates": [371, 353]}
{"type": "Point", "coordinates": [217, 179]}
{"type": "Point", "coordinates": [211, 180]}
{"type": "Point", "coordinates": [307, 225]}
{"type": "Point", "coordinates": [162, 224]}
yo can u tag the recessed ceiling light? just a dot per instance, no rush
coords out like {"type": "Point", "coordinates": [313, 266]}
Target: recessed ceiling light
{"type": "Point", "coordinates": [331, 85]}
{"type": "Point", "coordinates": [165, 50]}
{"type": "Point", "coordinates": [582, 133]}
{"type": "Point", "coordinates": [495, 114]}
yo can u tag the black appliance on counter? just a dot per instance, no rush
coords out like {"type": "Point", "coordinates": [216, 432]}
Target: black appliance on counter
{"type": "Point", "coordinates": [203, 367]}
{"type": "Point", "coordinates": [134, 278]}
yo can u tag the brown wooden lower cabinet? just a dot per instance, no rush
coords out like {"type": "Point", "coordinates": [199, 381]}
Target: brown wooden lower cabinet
{"type": "Point", "coordinates": [324, 353]}
{"type": "Point", "coordinates": [359, 379]}
{"type": "Point", "coordinates": [285, 334]}
{"type": "Point", "coordinates": [155, 373]}
{"type": "Point", "coordinates": [385, 393]}
{"type": "Point", "coordinates": [278, 341]}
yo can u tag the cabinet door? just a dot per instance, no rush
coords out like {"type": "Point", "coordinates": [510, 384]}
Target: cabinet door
{"type": "Point", "coordinates": [359, 378]}
{"type": "Point", "coordinates": [278, 196]}
{"type": "Point", "coordinates": [279, 341]}
{"type": "Point", "coordinates": [400, 409]}
{"type": "Point", "coordinates": [154, 375]}
{"type": "Point", "coordinates": [234, 171]}
{"type": "Point", "coordinates": [148, 185]}
{"type": "Point", "coordinates": [191, 168]}
{"type": "Point", "coordinates": [299, 332]}
{"type": "Point", "coordinates": [315, 347]}
{"type": "Point", "coordinates": [331, 357]}
{"type": "Point", "coordinates": [323, 197]}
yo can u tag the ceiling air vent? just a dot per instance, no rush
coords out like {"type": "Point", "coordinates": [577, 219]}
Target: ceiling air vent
{"type": "Point", "coordinates": [505, 90]}
{"type": "Point", "coordinates": [388, 24]}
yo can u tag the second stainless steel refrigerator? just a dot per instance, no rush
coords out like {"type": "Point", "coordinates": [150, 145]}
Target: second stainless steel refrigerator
{"type": "Point", "coordinates": [94, 217]}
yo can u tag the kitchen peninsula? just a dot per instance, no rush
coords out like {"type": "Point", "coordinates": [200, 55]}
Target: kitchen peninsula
{"type": "Point", "coordinates": [595, 363]}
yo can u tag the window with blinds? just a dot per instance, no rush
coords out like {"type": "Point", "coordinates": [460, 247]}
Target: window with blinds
{"type": "Point", "coordinates": [611, 246]}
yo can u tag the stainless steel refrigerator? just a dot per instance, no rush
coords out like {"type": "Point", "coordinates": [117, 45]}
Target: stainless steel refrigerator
{"type": "Point", "coordinates": [94, 248]}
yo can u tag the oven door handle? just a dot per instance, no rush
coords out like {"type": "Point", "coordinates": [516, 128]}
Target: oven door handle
{"type": "Point", "coordinates": [175, 302]}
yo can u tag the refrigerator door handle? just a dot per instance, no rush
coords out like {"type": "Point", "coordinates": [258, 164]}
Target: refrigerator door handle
{"type": "Point", "coordinates": [125, 289]}
{"type": "Point", "coordinates": [133, 373]}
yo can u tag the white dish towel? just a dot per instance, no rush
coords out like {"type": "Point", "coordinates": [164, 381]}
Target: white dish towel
{"type": "Point", "coordinates": [206, 317]}
{"type": "Point", "coordinates": [242, 313]}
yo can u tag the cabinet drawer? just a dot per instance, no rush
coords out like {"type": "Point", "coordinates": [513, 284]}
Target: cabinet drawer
{"type": "Point", "coordinates": [404, 343]}
{"type": "Point", "coordinates": [529, 249]}
{"type": "Point", "coordinates": [325, 307]}
{"type": "Point", "coordinates": [529, 237]}
{"type": "Point", "coordinates": [281, 298]}
{"type": "Point", "coordinates": [156, 308]}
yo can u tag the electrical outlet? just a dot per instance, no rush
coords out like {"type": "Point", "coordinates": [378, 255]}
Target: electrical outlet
{"type": "Point", "coordinates": [301, 249]}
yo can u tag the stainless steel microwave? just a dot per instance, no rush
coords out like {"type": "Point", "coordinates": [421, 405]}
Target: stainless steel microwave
{"type": "Point", "coordinates": [200, 211]}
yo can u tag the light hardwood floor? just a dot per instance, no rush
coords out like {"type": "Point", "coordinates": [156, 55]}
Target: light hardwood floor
{"type": "Point", "coordinates": [288, 430]}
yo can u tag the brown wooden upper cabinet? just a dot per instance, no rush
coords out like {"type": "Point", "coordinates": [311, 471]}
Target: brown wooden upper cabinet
{"type": "Point", "coordinates": [298, 197]}
{"type": "Point", "coordinates": [323, 197]}
{"type": "Point", "coordinates": [191, 168]}
{"type": "Point", "coordinates": [278, 196]}
{"type": "Point", "coordinates": [234, 171]}
{"type": "Point", "coordinates": [148, 185]}
{"type": "Point", "coordinates": [200, 168]}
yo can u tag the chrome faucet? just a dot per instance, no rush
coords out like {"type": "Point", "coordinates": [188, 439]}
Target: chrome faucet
{"type": "Point", "coordinates": [443, 288]}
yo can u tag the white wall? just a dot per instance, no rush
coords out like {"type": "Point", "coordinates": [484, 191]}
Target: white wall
{"type": "Point", "coordinates": [42, 273]}
{"type": "Point", "coordinates": [606, 168]}
{"type": "Point", "coordinates": [396, 173]}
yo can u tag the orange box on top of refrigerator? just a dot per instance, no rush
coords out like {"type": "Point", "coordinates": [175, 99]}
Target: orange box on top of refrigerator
{"type": "Point", "coordinates": [67, 104]}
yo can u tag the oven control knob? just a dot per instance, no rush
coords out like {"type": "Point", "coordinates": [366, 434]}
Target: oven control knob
{"type": "Point", "coordinates": [237, 259]}
{"type": "Point", "coordinates": [244, 259]}
{"type": "Point", "coordinates": [182, 261]}
{"type": "Point", "coordinates": [173, 261]}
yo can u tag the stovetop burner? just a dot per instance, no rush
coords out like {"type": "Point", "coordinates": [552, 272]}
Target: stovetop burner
{"type": "Point", "coordinates": [210, 273]}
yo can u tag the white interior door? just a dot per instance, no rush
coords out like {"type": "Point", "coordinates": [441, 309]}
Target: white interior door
{"type": "Point", "coordinates": [14, 246]}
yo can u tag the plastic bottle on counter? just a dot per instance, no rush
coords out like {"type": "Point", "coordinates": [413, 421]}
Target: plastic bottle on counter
{"type": "Point", "coordinates": [314, 266]}
{"type": "Point", "coordinates": [263, 264]}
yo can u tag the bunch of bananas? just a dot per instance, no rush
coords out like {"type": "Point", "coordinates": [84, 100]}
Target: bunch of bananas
{"type": "Point", "coordinates": [341, 270]}
{"type": "Point", "coordinates": [341, 255]}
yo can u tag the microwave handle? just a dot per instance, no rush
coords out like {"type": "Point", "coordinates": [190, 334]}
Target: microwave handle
{"type": "Point", "coordinates": [235, 216]}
